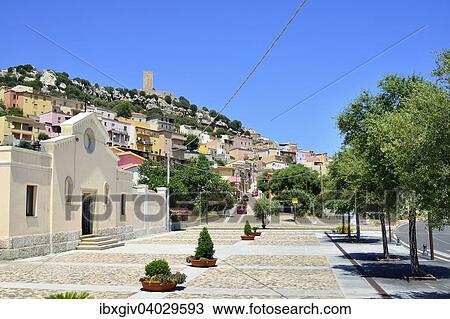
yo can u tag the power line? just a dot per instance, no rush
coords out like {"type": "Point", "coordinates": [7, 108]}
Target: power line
{"type": "Point", "coordinates": [256, 66]}
{"type": "Point", "coordinates": [354, 69]}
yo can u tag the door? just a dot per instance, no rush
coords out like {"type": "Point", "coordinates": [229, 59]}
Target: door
{"type": "Point", "coordinates": [86, 215]}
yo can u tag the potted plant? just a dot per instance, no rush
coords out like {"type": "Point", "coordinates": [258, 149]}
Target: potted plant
{"type": "Point", "coordinates": [175, 223]}
{"type": "Point", "coordinates": [204, 253]}
{"type": "Point", "coordinates": [248, 232]}
{"type": "Point", "coordinates": [255, 232]}
{"type": "Point", "coordinates": [159, 278]}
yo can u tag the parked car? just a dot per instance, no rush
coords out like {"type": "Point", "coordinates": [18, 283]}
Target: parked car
{"type": "Point", "coordinates": [241, 209]}
{"type": "Point", "coordinates": [255, 193]}
{"type": "Point", "coordinates": [245, 197]}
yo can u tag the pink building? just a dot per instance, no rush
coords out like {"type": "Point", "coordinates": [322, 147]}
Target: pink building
{"type": "Point", "coordinates": [52, 121]}
{"type": "Point", "coordinates": [242, 142]}
{"type": "Point", "coordinates": [240, 154]}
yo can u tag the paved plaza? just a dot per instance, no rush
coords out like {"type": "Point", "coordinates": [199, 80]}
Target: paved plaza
{"type": "Point", "coordinates": [279, 264]}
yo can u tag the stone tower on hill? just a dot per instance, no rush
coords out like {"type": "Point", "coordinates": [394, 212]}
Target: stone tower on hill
{"type": "Point", "coordinates": [148, 81]}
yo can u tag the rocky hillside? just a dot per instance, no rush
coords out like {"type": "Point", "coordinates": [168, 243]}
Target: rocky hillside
{"type": "Point", "coordinates": [60, 84]}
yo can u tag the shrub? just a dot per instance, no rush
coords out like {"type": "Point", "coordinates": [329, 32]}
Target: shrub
{"type": "Point", "coordinates": [343, 229]}
{"type": "Point", "coordinates": [175, 218]}
{"type": "Point", "coordinates": [247, 228]}
{"type": "Point", "coordinates": [205, 246]}
{"type": "Point", "coordinates": [157, 267]}
{"type": "Point", "coordinates": [70, 295]}
{"type": "Point", "coordinates": [255, 229]}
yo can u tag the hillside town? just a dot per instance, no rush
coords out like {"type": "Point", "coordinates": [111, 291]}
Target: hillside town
{"type": "Point", "coordinates": [211, 158]}
{"type": "Point", "coordinates": [237, 155]}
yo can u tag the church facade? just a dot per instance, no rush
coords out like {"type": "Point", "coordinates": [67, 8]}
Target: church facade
{"type": "Point", "coordinates": [72, 187]}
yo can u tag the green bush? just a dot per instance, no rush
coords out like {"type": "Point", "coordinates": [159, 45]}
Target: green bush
{"type": "Point", "coordinates": [177, 278]}
{"type": "Point", "coordinates": [70, 295]}
{"type": "Point", "coordinates": [343, 229]}
{"type": "Point", "coordinates": [255, 229]}
{"type": "Point", "coordinates": [157, 267]}
{"type": "Point", "coordinates": [247, 228]}
{"type": "Point", "coordinates": [205, 246]}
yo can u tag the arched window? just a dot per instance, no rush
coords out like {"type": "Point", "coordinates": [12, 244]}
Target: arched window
{"type": "Point", "coordinates": [68, 189]}
{"type": "Point", "coordinates": [106, 193]}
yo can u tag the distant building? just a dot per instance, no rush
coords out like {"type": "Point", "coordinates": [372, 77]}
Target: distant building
{"type": "Point", "coordinates": [14, 129]}
{"type": "Point", "coordinates": [240, 154]}
{"type": "Point", "coordinates": [31, 104]}
{"type": "Point", "coordinates": [159, 122]}
{"type": "Point", "coordinates": [102, 112]}
{"type": "Point", "coordinates": [148, 82]}
{"type": "Point", "coordinates": [118, 132]}
{"type": "Point", "coordinates": [52, 121]}
{"type": "Point", "coordinates": [67, 106]}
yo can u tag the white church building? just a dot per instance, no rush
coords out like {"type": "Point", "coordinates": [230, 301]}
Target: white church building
{"type": "Point", "coordinates": [71, 189]}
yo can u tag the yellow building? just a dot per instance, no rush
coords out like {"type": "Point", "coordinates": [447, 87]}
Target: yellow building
{"type": "Point", "coordinates": [16, 128]}
{"type": "Point", "coordinates": [31, 103]}
{"type": "Point", "coordinates": [203, 149]}
{"type": "Point", "coordinates": [142, 138]}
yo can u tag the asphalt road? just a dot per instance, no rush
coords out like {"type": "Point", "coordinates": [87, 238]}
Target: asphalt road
{"type": "Point", "coordinates": [441, 238]}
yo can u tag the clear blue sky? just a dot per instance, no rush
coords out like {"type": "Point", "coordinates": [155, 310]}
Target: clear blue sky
{"type": "Point", "coordinates": [203, 50]}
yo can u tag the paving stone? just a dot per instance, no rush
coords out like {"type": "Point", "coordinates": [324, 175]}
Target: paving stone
{"type": "Point", "coordinates": [286, 260]}
{"type": "Point", "coordinates": [310, 279]}
{"type": "Point", "coordinates": [20, 293]}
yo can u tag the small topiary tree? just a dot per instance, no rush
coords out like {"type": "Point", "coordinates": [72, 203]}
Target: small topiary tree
{"type": "Point", "coordinates": [157, 267]}
{"type": "Point", "coordinates": [247, 228]}
{"type": "Point", "coordinates": [205, 246]}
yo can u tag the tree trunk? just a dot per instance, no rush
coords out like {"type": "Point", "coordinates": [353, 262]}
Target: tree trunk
{"type": "Point", "coordinates": [343, 224]}
{"type": "Point", "coordinates": [430, 237]}
{"type": "Point", "coordinates": [415, 271]}
{"type": "Point", "coordinates": [389, 226]}
{"type": "Point", "coordinates": [383, 235]}
{"type": "Point", "coordinates": [349, 233]}
{"type": "Point", "coordinates": [358, 228]}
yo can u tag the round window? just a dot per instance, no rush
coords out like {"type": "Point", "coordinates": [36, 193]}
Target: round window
{"type": "Point", "coordinates": [89, 140]}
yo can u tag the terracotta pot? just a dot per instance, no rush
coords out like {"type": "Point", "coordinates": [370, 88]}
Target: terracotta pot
{"type": "Point", "coordinates": [256, 233]}
{"type": "Point", "coordinates": [204, 264]}
{"type": "Point", "coordinates": [249, 237]}
{"type": "Point", "coordinates": [158, 286]}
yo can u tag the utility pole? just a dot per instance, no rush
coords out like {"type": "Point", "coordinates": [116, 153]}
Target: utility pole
{"type": "Point", "coordinates": [167, 191]}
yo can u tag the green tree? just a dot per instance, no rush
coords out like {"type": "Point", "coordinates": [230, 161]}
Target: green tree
{"type": "Point", "coordinates": [42, 136]}
{"type": "Point", "coordinates": [263, 208]}
{"type": "Point", "coordinates": [235, 125]}
{"type": "Point", "coordinates": [123, 108]}
{"type": "Point", "coordinates": [205, 246]}
{"type": "Point", "coordinates": [442, 71]}
{"type": "Point", "coordinates": [192, 142]}
{"type": "Point", "coordinates": [417, 141]}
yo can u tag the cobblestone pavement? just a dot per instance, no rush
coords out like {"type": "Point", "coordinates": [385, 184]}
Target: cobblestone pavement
{"type": "Point", "coordinates": [20, 293]}
{"type": "Point", "coordinates": [279, 264]}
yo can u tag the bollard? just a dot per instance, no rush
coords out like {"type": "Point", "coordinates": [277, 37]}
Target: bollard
{"type": "Point", "coordinates": [425, 250]}
{"type": "Point", "coordinates": [398, 242]}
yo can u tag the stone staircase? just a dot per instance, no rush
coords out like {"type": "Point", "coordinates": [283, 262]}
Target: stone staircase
{"type": "Point", "coordinates": [94, 242]}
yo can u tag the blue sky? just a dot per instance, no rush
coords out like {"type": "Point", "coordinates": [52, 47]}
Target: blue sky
{"type": "Point", "coordinates": [203, 49]}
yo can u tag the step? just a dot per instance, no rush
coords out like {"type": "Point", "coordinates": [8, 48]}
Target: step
{"type": "Point", "coordinates": [99, 243]}
{"type": "Point", "coordinates": [87, 236]}
{"type": "Point", "coordinates": [89, 247]}
{"type": "Point", "coordinates": [96, 239]}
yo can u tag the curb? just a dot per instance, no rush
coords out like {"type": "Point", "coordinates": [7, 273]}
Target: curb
{"type": "Point", "coordinates": [371, 281]}
{"type": "Point", "coordinates": [437, 254]}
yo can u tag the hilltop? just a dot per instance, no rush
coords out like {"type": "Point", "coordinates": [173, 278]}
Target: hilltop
{"type": "Point", "coordinates": [122, 100]}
